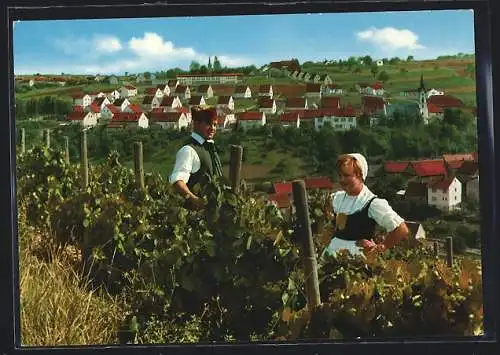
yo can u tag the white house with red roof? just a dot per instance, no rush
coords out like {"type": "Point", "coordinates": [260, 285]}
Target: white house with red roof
{"type": "Point", "coordinates": [266, 90]}
{"type": "Point", "coordinates": [313, 91]}
{"type": "Point", "coordinates": [127, 118]}
{"type": "Point", "coordinates": [156, 92]}
{"type": "Point", "coordinates": [85, 118]}
{"type": "Point", "coordinates": [226, 101]}
{"type": "Point", "coordinates": [225, 117]}
{"type": "Point", "coordinates": [94, 108]}
{"type": "Point", "coordinates": [444, 193]}
{"type": "Point", "coordinates": [205, 90]}
{"type": "Point", "coordinates": [82, 100]}
{"type": "Point", "coordinates": [249, 119]}
{"type": "Point", "coordinates": [282, 191]}
{"type": "Point", "coordinates": [133, 108]}
{"type": "Point", "coordinates": [267, 105]}
{"type": "Point", "coordinates": [169, 120]}
{"type": "Point", "coordinates": [340, 119]}
{"type": "Point", "coordinates": [289, 119]}
{"type": "Point", "coordinates": [102, 101]}
{"type": "Point", "coordinates": [296, 103]}
{"type": "Point", "coordinates": [197, 100]}
{"type": "Point", "coordinates": [425, 170]}
{"type": "Point", "coordinates": [436, 104]}
{"type": "Point", "coordinates": [113, 95]}
{"type": "Point", "coordinates": [377, 89]}
{"type": "Point", "coordinates": [310, 116]}
{"type": "Point", "coordinates": [108, 111]}
{"type": "Point", "coordinates": [128, 91]}
{"type": "Point", "coordinates": [151, 102]}
{"type": "Point", "coordinates": [373, 105]}
{"type": "Point", "coordinates": [165, 89]}
{"type": "Point", "coordinates": [242, 92]}
{"type": "Point", "coordinates": [121, 104]}
{"type": "Point", "coordinates": [183, 92]}
{"type": "Point", "coordinates": [170, 103]}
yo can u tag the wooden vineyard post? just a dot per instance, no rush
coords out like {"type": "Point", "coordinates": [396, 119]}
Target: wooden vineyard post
{"type": "Point", "coordinates": [66, 149]}
{"type": "Point", "coordinates": [84, 160]}
{"type": "Point", "coordinates": [46, 137]}
{"type": "Point", "coordinates": [304, 234]}
{"type": "Point", "coordinates": [436, 249]}
{"type": "Point", "coordinates": [235, 167]}
{"type": "Point", "coordinates": [86, 247]}
{"type": "Point", "coordinates": [139, 165]}
{"type": "Point", "coordinates": [449, 251]}
{"type": "Point", "coordinates": [23, 141]}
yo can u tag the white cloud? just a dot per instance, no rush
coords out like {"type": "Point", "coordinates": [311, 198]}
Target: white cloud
{"type": "Point", "coordinates": [149, 52]}
{"type": "Point", "coordinates": [390, 38]}
{"type": "Point", "coordinates": [95, 47]}
{"type": "Point", "coordinates": [107, 44]}
{"type": "Point", "coordinates": [153, 45]}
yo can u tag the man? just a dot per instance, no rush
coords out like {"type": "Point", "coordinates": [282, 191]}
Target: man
{"type": "Point", "coordinates": [197, 159]}
{"type": "Point", "coordinates": [357, 212]}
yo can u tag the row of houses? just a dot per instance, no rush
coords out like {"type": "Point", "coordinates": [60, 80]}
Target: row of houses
{"type": "Point", "coordinates": [443, 183]}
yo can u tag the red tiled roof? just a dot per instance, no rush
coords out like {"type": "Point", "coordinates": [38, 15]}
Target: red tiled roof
{"type": "Point", "coordinates": [289, 90]}
{"type": "Point", "coordinates": [445, 101]}
{"type": "Point", "coordinates": [95, 108]}
{"type": "Point", "coordinates": [157, 109]}
{"type": "Point", "coordinates": [424, 168]}
{"type": "Point", "coordinates": [126, 117]}
{"type": "Point", "coordinates": [135, 108]}
{"type": "Point", "coordinates": [224, 100]}
{"type": "Point", "coordinates": [195, 100]}
{"type": "Point", "coordinates": [180, 89]}
{"type": "Point", "coordinates": [333, 86]}
{"type": "Point", "coordinates": [344, 111]}
{"type": "Point", "coordinates": [395, 166]}
{"type": "Point", "coordinates": [150, 91]}
{"type": "Point", "coordinates": [466, 156]}
{"type": "Point", "coordinates": [240, 89]}
{"type": "Point", "coordinates": [290, 116]}
{"type": "Point", "coordinates": [148, 100]}
{"type": "Point", "coordinates": [203, 88]}
{"type": "Point", "coordinates": [182, 109]}
{"type": "Point", "coordinates": [296, 102]}
{"type": "Point", "coordinates": [319, 182]}
{"type": "Point", "coordinates": [441, 183]}
{"type": "Point", "coordinates": [266, 102]}
{"type": "Point", "coordinates": [281, 200]}
{"type": "Point", "coordinates": [434, 108]}
{"type": "Point", "coordinates": [165, 116]}
{"type": "Point", "coordinates": [469, 167]}
{"type": "Point", "coordinates": [249, 116]}
{"type": "Point", "coordinates": [78, 108]}
{"type": "Point", "coordinates": [376, 86]}
{"type": "Point", "coordinates": [167, 101]}
{"type": "Point", "coordinates": [309, 114]}
{"type": "Point", "coordinates": [112, 108]}
{"type": "Point", "coordinates": [76, 115]}
{"type": "Point", "coordinates": [264, 89]}
{"type": "Point", "coordinates": [282, 188]}
{"type": "Point", "coordinates": [313, 88]}
{"type": "Point", "coordinates": [223, 89]}
{"type": "Point", "coordinates": [330, 101]}
{"type": "Point", "coordinates": [130, 87]}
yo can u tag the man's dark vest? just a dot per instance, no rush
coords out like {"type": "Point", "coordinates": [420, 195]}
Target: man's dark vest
{"type": "Point", "coordinates": [206, 167]}
{"type": "Point", "coordinates": [358, 226]}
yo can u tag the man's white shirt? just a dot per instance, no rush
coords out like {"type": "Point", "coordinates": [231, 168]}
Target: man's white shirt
{"type": "Point", "coordinates": [187, 161]}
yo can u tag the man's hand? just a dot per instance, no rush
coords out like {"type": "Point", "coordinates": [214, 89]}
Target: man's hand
{"type": "Point", "coordinates": [194, 203]}
{"type": "Point", "coordinates": [375, 249]}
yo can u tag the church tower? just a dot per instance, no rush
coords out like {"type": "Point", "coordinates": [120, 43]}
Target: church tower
{"type": "Point", "coordinates": [422, 100]}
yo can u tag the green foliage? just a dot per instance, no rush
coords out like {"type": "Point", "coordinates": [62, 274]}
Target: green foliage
{"type": "Point", "coordinates": [232, 270]}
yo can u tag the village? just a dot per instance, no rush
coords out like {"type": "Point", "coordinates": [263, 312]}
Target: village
{"type": "Point", "coordinates": [314, 99]}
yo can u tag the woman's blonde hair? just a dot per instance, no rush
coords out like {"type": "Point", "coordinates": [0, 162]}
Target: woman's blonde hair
{"type": "Point", "coordinates": [349, 161]}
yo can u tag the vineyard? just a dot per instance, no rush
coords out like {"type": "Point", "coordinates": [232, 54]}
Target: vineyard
{"type": "Point", "coordinates": [232, 271]}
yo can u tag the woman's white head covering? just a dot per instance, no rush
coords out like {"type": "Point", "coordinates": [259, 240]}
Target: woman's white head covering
{"type": "Point", "coordinates": [362, 163]}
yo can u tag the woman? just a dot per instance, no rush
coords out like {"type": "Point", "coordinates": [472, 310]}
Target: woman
{"type": "Point", "coordinates": [358, 211]}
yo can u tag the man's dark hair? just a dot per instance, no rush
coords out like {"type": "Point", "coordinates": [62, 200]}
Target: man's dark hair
{"type": "Point", "coordinates": [205, 115]}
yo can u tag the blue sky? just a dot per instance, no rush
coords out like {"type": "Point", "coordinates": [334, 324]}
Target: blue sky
{"type": "Point", "coordinates": [151, 44]}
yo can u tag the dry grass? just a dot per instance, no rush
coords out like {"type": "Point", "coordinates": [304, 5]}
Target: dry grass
{"type": "Point", "coordinates": [57, 305]}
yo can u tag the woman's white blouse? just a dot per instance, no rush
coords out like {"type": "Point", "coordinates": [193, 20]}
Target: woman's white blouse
{"type": "Point", "coordinates": [379, 210]}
